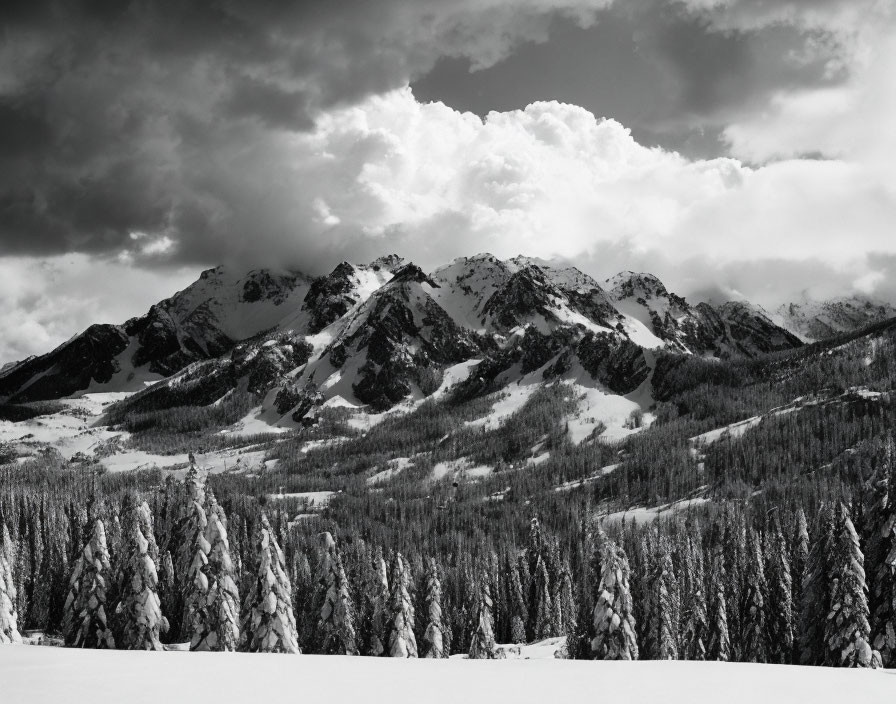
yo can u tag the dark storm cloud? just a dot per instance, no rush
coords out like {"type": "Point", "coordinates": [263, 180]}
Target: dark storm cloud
{"type": "Point", "coordinates": [664, 69]}
{"type": "Point", "coordinates": [159, 118]}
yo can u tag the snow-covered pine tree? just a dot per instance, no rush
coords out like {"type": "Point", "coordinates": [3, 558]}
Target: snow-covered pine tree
{"type": "Point", "coordinates": [613, 618]}
{"type": "Point", "coordinates": [694, 624]}
{"type": "Point", "coordinates": [482, 644]}
{"type": "Point", "coordinates": [719, 645]}
{"type": "Point", "coordinates": [269, 623]}
{"type": "Point", "coordinates": [544, 623]}
{"type": "Point", "coordinates": [139, 609]}
{"type": "Point", "coordinates": [754, 645]}
{"type": "Point", "coordinates": [882, 563]}
{"type": "Point", "coordinates": [816, 602]}
{"type": "Point", "coordinates": [223, 596]}
{"type": "Point", "coordinates": [533, 557]}
{"type": "Point", "coordinates": [567, 603]}
{"type": "Point", "coordinates": [195, 623]}
{"type": "Point", "coordinates": [188, 529]}
{"type": "Point", "coordinates": [847, 631]}
{"type": "Point", "coordinates": [516, 602]}
{"type": "Point", "coordinates": [335, 631]}
{"type": "Point", "coordinates": [779, 609]}
{"type": "Point", "coordinates": [400, 641]}
{"type": "Point", "coordinates": [85, 623]}
{"type": "Point", "coordinates": [211, 602]}
{"type": "Point", "coordinates": [799, 557]}
{"type": "Point", "coordinates": [379, 596]}
{"type": "Point", "coordinates": [735, 570]}
{"type": "Point", "coordinates": [9, 628]}
{"type": "Point", "coordinates": [662, 607]}
{"type": "Point", "coordinates": [433, 645]}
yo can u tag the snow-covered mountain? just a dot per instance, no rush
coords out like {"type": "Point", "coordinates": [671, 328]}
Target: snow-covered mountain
{"type": "Point", "coordinates": [376, 334]}
{"type": "Point", "coordinates": [818, 320]}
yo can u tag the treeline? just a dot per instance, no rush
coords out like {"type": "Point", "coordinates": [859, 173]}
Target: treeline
{"type": "Point", "coordinates": [133, 562]}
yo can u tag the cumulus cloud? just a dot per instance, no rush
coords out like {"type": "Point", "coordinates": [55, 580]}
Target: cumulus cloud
{"type": "Point", "coordinates": [152, 140]}
{"type": "Point", "coordinates": [120, 117]}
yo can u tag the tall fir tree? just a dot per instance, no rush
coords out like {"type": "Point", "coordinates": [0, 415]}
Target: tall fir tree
{"type": "Point", "coordinates": [269, 623]}
{"type": "Point", "coordinates": [433, 641]}
{"type": "Point", "coordinates": [719, 644]}
{"type": "Point", "coordinates": [663, 607]}
{"type": "Point", "coordinates": [9, 620]}
{"type": "Point", "coordinates": [779, 609]}
{"type": "Point", "coordinates": [882, 562]}
{"type": "Point", "coordinates": [516, 601]}
{"type": "Point", "coordinates": [847, 630]}
{"type": "Point", "coordinates": [86, 621]}
{"type": "Point", "coordinates": [401, 642]}
{"type": "Point", "coordinates": [612, 615]}
{"type": "Point", "coordinates": [379, 596]}
{"type": "Point", "coordinates": [188, 530]}
{"type": "Point", "coordinates": [754, 638]}
{"type": "Point", "coordinates": [798, 561]}
{"type": "Point", "coordinates": [482, 644]}
{"type": "Point", "coordinates": [816, 601]}
{"type": "Point", "coordinates": [694, 623]}
{"type": "Point", "coordinates": [213, 605]}
{"type": "Point", "coordinates": [140, 608]}
{"type": "Point", "coordinates": [335, 632]}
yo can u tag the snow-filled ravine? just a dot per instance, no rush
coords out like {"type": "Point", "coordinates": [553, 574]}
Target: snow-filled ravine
{"type": "Point", "coordinates": [36, 675]}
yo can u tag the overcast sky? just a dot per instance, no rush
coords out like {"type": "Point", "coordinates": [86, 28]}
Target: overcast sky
{"type": "Point", "coordinates": [735, 148]}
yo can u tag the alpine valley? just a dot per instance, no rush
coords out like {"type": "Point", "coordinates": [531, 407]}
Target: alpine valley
{"type": "Point", "coordinates": [519, 431]}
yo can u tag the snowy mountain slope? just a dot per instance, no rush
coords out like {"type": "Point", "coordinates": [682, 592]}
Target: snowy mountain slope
{"type": "Point", "coordinates": [733, 328]}
{"type": "Point", "coordinates": [203, 321]}
{"type": "Point", "coordinates": [812, 320]}
{"type": "Point", "coordinates": [378, 334]}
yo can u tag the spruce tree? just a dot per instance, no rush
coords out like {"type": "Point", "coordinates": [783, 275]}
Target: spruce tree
{"type": "Point", "coordinates": [798, 561]}
{"type": "Point", "coordinates": [847, 631]}
{"type": "Point", "coordinates": [719, 645]}
{"type": "Point", "coordinates": [779, 610]}
{"type": "Point", "coordinates": [269, 623]}
{"type": "Point", "coordinates": [754, 639]}
{"type": "Point", "coordinates": [544, 621]}
{"type": "Point", "coordinates": [401, 642]}
{"type": "Point", "coordinates": [482, 644]}
{"type": "Point", "coordinates": [816, 602]}
{"type": "Point", "coordinates": [882, 564]}
{"type": "Point", "coordinates": [662, 607]}
{"type": "Point", "coordinates": [335, 632]}
{"type": "Point", "coordinates": [516, 602]}
{"type": "Point", "coordinates": [694, 625]}
{"type": "Point", "coordinates": [140, 609]}
{"type": "Point", "coordinates": [433, 641]}
{"type": "Point", "coordinates": [379, 596]}
{"type": "Point", "coordinates": [86, 623]}
{"type": "Point", "coordinates": [188, 530]}
{"type": "Point", "coordinates": [612, 615]}
{"type": "Point", "coordinates": [212, 605]}
{"type": "Point", "coordinates": [9, 628]}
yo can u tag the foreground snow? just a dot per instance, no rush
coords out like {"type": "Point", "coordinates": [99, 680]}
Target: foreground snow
{"type": "Point", "coordinates": [36, 675]}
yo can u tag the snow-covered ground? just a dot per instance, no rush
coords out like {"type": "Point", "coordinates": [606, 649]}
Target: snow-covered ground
{"type": "Point", "coordinates": [643, 514]}
{"type": "Point", "coordinates": [43, 675]}
{"type": "Point", "coordinates": [74, 431]}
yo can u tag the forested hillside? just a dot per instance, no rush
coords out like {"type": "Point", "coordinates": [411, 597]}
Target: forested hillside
{"type": "Point", "coordinates": [744, 512]}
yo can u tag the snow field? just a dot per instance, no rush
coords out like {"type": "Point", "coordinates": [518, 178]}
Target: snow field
{"type": "Point", "coordinates": [37, 675]}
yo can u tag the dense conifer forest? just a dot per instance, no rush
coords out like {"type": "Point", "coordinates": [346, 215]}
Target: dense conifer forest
{"type": "Point", "coordinates": [771, 542]}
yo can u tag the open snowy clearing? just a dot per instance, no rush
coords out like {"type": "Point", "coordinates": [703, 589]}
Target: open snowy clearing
{"type": "Point", "coordinates": [36, 675]}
